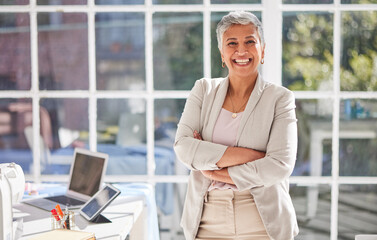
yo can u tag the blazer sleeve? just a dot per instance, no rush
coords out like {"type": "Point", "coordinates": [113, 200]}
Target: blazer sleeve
{"type": "Point", "coordinates": [193, 153]}
{"type": "Point", "coordinates": [281, 150]}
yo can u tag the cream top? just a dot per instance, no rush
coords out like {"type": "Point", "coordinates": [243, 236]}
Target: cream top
{"type": "Point", "coordinates": [225, 132]}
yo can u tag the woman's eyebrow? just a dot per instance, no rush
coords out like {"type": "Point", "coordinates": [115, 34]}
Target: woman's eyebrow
{"type": "Point", "coordinates": [231, 39]}
{"type": "Point", "coordinates": [251, 36]}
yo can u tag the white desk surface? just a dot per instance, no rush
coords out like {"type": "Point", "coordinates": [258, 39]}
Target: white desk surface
{"type": "Point", "coordinates": [125, 213]}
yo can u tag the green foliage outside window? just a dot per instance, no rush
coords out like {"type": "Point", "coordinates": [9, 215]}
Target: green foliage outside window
{"type": "Point", "coordinates": [359, 59]}
{"type": "Point", "coordinates": [308, 51]}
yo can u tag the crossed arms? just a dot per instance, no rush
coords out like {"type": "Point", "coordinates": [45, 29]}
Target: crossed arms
{"type": "Point", "coordinates": [233, 156]}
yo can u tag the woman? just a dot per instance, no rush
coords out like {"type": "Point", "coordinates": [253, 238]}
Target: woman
{"type": "Point", "coordinates": [238, 135]}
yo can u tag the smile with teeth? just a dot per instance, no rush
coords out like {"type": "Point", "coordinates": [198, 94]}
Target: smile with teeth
{"type": "Point", "coordinates": [242, 61]}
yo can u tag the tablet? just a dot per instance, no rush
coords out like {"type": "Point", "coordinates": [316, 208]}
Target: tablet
{"type": "Point", "coordinates": [98, 202]}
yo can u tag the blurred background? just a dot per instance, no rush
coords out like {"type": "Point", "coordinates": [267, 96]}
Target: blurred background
{"type": "Point", "coordinates": [113, 75]}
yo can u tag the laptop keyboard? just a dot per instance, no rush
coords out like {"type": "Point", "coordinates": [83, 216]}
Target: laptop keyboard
{"type": "Point", "coordinates": [62, 199]}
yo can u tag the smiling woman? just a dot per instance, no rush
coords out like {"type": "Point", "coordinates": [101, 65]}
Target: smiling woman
{"type": "Point", "coordinates": [238, 136]}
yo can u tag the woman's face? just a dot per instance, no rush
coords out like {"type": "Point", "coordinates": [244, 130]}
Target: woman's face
{"type": "Point", "coordinates": [242, 50]}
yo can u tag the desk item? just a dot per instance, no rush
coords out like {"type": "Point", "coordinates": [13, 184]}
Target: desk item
{"type": "Point", "coordinates": [92, 209]}
{"type": "Point", "coordinates": [86, 177]}
{"type": "Point", "coordinates": [55, 215]}
{"type": "Point", "coordinates": [65, 221]}
{"type": "Point", "coordinates": [12, 184]}
{"type": "Point", "coordinates": [64, 234]}
{"type": "Point", "coordinates": [59, 211]}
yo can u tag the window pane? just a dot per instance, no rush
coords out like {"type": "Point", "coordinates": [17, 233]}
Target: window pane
{"type": "Point", "coordinates": [120, 53]}
{"type": "Point", "coordinates": [64, 126]}
{"type": "Point", "coordinates": [177, 1]}
{"type": "Point", "coordinates": [359, 1]}
{"type": "Point", "coordinates": [170, 198]}
{"type": "Point", "coordinates": [359, 51]}
{"type": "Point", "coordinates": [119, 2]}
{"type": "Point", "coordinates": [63, 51]}
{"type": "Point", "coordinates": [15, 51]}
{"type": "Point", "coordinates": [307, 1]}
{"type": "Point", "coordinates": [307, 51]}
{"type": "Point", "coordinates": [216, 65]}
{"type": "Point", "coordinates": [121, 133]}
{"type": "Point", "coordinates": [233, 2]}
{"type": "Point", "coordinates": [313, 208]}
{"type": "Point", "coordinates": [167, 114]}
{"type": "Point", "coordinates": [358, 137]}
{"type": "Point", "coordinates": [14, 2]}
{"type": "Point", "coordinates": [61, 2]}
{"type": "Point", "coordinates": [15, 116]}
{"type": "Point", "coordinates": [357, 210]}
{"type": "Point", "coordinates": [177, 50]}
{"type": "Point", "coordinates": [314, 138]}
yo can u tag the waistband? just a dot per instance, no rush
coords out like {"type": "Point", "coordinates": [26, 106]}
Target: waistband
{"type": "Point", "coordinates": [227, 194]}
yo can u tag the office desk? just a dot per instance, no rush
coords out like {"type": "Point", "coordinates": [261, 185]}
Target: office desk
{"type": "Point", "coordinates": [124, 216]}
{"type": "Point", "coordinates": [321, 130]}
{"type": "Point", "coordinates": [133, 213]}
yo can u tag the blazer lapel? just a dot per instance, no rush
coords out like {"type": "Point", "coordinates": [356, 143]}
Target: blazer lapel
{"type": "Point", "coordinates": [255, 95]}
{"type": "Point", "coordinates": [216, 107]}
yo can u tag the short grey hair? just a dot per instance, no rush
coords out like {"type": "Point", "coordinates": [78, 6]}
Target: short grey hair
{"type": "Point", "coordinates": [238, 17]}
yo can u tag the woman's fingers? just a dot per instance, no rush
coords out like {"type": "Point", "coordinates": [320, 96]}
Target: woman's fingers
{"type": "Point", "coordinates": [207, 173]}
{"type": "Point", "coordinates": [197, 135]}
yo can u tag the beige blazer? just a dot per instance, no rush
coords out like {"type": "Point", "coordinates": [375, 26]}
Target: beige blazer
{"type": "Point", "coordinates": [268, 124]}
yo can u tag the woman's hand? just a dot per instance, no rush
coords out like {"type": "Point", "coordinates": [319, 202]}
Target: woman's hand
{"type": "Point", "coordinates": [197, 135]}
{"type": "Point", "coordinates": [207, 173]}
{"type": "Point", "coordinates": [221, 175]}
{"type": "Point", "coordinates": [234, 156]}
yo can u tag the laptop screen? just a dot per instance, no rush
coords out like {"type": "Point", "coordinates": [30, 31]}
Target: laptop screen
{"type": "Point", "coordinates": [86, 174]}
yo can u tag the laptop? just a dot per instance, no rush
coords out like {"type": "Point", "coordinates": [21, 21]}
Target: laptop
{"type": "Point", "coordinates": [86, 177]}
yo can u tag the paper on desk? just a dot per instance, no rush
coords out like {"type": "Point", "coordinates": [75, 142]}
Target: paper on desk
{"type": "Point", "coordinates": [63, 234]}
{"type": "Point", "coordinates": [18, 214]}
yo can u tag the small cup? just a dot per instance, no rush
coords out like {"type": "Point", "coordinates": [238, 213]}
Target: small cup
{"type": "Point", "coordinates": [65, 222]}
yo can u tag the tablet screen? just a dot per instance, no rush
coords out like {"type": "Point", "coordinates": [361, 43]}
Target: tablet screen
{"type": "Point", "coordinates": [99, 201]}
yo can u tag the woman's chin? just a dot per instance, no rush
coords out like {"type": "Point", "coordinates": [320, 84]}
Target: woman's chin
{"type": "Point", "coordinates": [244, 73]}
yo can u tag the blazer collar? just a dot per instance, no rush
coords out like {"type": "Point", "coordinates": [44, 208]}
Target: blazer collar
{"type": "Point", "coordinates": [255, 95]}
{"type": "Point", "coordinates": [254, 98]}
{"type": "Point", "coordinates": [217, 106]}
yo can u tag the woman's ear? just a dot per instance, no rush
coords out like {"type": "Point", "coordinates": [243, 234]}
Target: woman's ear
{"type": "Point", "coordinates": [222, 61]}
{"type": "Point", "coordinates": [264, 46]}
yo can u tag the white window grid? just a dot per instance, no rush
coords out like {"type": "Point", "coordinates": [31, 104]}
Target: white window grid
{"type": "Point", "coordinates": [272, 22]}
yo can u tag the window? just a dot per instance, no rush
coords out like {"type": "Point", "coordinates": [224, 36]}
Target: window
{"type": "Point", "coordinates": [113, 76]}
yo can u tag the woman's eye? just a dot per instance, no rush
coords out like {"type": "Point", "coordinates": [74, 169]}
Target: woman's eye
{"type": "Point", "coordinates": [232, 44]}
{"type": "Point", "coordinates": [250, 42]}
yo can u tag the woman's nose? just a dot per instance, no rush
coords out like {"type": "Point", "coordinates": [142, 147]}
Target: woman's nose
{"type": "Point", "coordinates": [241, 51]}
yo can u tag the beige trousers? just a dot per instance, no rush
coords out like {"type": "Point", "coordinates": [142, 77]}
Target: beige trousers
{"type": "Point", "coordinates": [229, 214]}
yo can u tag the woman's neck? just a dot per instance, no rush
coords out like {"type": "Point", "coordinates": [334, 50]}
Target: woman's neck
{"type": "Point", "coordinates": [241, 86]}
